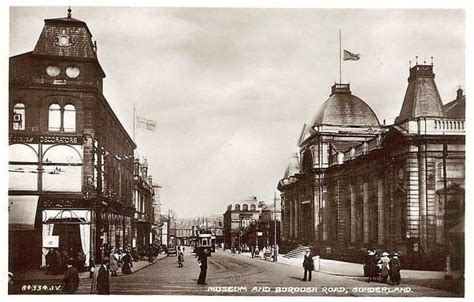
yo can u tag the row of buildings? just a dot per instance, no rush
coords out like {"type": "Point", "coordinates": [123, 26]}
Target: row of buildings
{"type": "Point", "coordinates": [74, 182]}
{"type": "Point", "coordinates": [356, 184]}
{"type": "Point", "coordinates": [187, 230]}
{"type": "Point", "coordinates": [251, 223]}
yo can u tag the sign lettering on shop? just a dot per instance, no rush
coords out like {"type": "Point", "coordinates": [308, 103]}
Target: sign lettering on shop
{"type": "Point", "coordinates": [46, 139]}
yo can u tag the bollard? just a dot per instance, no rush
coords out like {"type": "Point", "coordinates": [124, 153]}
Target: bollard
{"type": "Point", "coordinates": [448, 275]}
{"type": "Point", "coordinates": [318, 263]}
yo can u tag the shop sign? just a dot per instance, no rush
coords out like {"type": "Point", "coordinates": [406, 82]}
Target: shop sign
{"type": "Point", "coordinates": [51, 242]}
{"type": "Point", "coordinates": [46, 139]}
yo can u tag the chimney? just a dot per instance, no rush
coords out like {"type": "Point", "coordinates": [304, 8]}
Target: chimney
{"type": "Point", "coordinates": [459, 93]}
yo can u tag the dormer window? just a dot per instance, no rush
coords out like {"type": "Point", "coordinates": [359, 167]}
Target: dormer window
{"type": "Point", "coordinates": [64, 40]}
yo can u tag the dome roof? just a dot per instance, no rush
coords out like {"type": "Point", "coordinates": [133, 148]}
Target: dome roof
{"type": "Point", "coordinates": [345, 109]}
{"type": "Point", "coordinates": [293, 166]}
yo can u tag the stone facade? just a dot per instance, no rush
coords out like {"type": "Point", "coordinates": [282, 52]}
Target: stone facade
{"type": "Point", "coordinates": [380, 187]}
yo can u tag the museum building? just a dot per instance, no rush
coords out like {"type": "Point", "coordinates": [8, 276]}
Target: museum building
{"type": "Point", "coordinates": [71, 165]}
{"type": "Point", "coordinates": [356, 184]}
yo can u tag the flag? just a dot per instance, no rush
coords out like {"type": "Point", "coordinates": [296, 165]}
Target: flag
{"type": "Point", "coordinates": [143, 122]}
{"type": "Point", "coordinates": [349, 56]}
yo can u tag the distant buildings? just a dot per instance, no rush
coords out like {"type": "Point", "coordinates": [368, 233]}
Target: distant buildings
{"type": "Point", "coordinates": [356, 184]}
{"type": "Point", "coordinates": [250, 222]}
{"type": "Point", "coordinates": [144, 199]}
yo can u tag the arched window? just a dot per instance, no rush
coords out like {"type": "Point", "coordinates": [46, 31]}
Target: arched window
{"type": "Point", "coordinates": [237, 206]}
{"type": "Point", "coordinates": [245, 207]}
{"type": "Point", "coordinates": [19, 116]}
{"type": "Point", "coordinates": [252, 207]}
{"type": "Point", "coordinates": [54, 117]}
{"type": "Point", "coordinates": [62, 168]}
{"type": "Point", "coordinates": [69, 119]}
{"type": "Point", "coordinates": [62, 118]}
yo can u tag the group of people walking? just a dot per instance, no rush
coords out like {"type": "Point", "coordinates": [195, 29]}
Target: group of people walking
{"type": "Point", "coordinates": [120, 259]}
{"type": "Point", "coordinates": [57, 261]}
{"type": "Point", "coordinates": [381, 268]}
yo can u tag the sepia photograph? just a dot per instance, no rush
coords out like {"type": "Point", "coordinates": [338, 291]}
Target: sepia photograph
{"type": "Point", "coordinates": [236, 151]}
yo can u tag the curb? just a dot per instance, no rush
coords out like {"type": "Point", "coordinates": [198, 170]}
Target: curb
{"type": "Point", "coordinates": [145, 266]}
{"type": "Point", "coordinates": [319, 271]}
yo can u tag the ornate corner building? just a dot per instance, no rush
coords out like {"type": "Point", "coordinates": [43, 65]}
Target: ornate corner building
{"type": "Point", "coordinates": [356, 184]}
{"type": "Point", "coordinates": [71, 165]}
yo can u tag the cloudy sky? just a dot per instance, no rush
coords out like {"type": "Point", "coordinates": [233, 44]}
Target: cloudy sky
{"type": "Point", "coordinates": [231, 88]}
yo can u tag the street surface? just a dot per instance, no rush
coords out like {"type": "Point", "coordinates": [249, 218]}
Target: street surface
{"type": "Point", "coordinates": [236, 274]}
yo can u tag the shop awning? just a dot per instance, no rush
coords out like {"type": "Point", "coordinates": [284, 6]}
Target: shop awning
{"type": "Point", "coordinates": [67, 216]}
{"type": "Point", "coordinates": [22, 212]}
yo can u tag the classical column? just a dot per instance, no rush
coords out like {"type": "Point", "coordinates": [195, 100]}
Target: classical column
{"type": "Point", "coordinates": [297, 214]}
{"type": "Point", "coordinates": [316, 198]}
{"type": "Point", "coordinates": [353, 214]}
{"type": "Point", "coordinates": [422, 195]}
{"type": "Point", "coordinates": [365, 189]}
{"type": "Point", "coordinates": [381, 212]}
{"type": "Point", "coordinates": [291, 210]}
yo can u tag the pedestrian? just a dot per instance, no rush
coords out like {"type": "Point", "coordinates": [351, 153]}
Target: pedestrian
{"type": "Point", "coordinates": [308, 265]}
{"type": "Point", "coordinates": [64, 260]}
{"type": "Point", "coordinates": [127, 263]}
{"type": "Point", "coordinates": [371, 266]}
{"type": "Point", "coordinates": [71, 278]}
{"type": "Point", "coordinates": [118, 256]}
{"type": "Point", "coordinates": [56, 267]}
{"type": "Point", "coordinates": [91, 267]}
{"type": "Point", "coordinates": [103, 280]}
{"type": "Point", "coordinates": [49, 259]}
{"type": "Point", "coordinates": [202, 260]}
{"type": "Point", "coordinates": [384, 266]}
{"type": "Point", "coordinates": [395, 268]}
{"type": "Point", "coordinates": [180, 257]}
{"type": "Point", "coordinates": [113, 263]}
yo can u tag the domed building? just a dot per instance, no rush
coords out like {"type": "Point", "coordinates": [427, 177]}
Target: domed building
{"type": "Point", "coordinates": [356, 184]}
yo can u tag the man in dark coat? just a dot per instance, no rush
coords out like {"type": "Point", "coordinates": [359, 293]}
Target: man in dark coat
{"type": "Point", "coordinates": [103, 281]}
{"type": "Point", "coordinates": [71, 278]}
{"type": "Point", "coordinates": [371, 266]}
{"type": "Point", "coordinates": [202, 259]}
{"type": "Point", "coordinates": [395, 268]}
{"type": "Point", "coordinates": [308, 265]}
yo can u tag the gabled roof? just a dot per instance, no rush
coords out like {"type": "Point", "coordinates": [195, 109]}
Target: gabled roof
{"type": "Point", "coordinates": [456, 108]}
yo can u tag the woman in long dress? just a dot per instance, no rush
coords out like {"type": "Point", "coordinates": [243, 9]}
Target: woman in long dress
{"type": "Point", "coordinates": [113, 263]}
{"type": "Point", "coordinates": [127, 263]}
{"type": "Point", "coordinates": [395, 268]}
{"type": "Point", "coordinates": [384, 267]}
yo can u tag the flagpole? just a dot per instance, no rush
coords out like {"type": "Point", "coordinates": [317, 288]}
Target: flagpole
{"type": "Point", "coordinates": [340, 77]}
{"type": "Point", "coordinates": [134, 123]}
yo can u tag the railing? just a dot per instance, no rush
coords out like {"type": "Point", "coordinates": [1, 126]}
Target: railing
{"type": "Point", "coordinates": [427, 126]}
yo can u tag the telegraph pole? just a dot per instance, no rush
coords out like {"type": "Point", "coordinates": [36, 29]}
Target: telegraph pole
{"type": "Point", "coordinates": [275, 249]}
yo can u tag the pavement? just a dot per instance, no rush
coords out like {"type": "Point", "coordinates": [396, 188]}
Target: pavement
{"type": "Point", "coordinates": [349, 269]}
{"type": "Point", "coordinates": [41, 274]}
{"type": "Point", "coordinates": [239, 274]}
